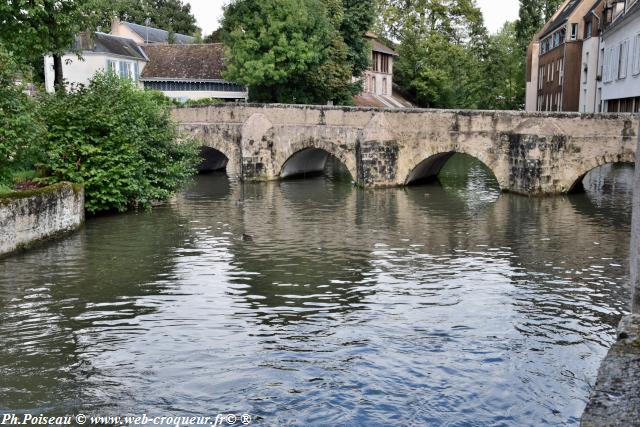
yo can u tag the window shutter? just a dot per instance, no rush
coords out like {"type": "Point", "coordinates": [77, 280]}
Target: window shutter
{"type": "Point", "coordinates": [624, 62]}
{"type": "Point", "coordinates": [615, 63]}
{"type": "Point", "coordinates": [636, 56]}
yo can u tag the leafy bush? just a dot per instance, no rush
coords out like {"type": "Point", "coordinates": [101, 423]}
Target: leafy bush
{"type": "Point", "coordinates": [202, 102]}
{"type": "Point", "coordinates": [118, 141]}
{"type": "Point", "coordinates": [21, 128]}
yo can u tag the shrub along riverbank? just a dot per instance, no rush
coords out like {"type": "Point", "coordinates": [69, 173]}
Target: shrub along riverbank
{"type": "Point", "coordinates": [116, 140]}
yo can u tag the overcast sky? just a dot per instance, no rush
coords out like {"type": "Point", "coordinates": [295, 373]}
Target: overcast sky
{"type": "Point", "coordinates": [496, 13]}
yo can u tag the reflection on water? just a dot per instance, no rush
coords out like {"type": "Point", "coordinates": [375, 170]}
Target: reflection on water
{"type": "Point", "coordinates": [311, 302]}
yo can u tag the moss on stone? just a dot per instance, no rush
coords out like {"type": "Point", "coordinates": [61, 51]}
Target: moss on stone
{"type": "Point", "coordinates": [7, 198]}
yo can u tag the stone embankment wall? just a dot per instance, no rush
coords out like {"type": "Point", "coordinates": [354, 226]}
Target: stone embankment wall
{"type": "Point", "coordinates": [31, 216]}
{"type": "Point", "coordinates": [615, 400]}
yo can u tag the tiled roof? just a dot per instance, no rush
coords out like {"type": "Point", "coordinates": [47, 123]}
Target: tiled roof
{"type": "Point", "coordinates": [184, 62]}
{"type": "Point", "coordinates": [156, 35]}
{"type": "Point", "coordinates": [379, 47]}
{"type": "Point", "coordinates": [114, 45]}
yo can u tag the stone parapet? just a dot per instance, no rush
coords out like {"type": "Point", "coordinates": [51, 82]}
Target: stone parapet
{"type": "Point", "coordinates": [29, 217]}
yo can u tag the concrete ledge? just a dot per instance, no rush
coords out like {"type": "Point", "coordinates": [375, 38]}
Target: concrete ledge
{"type": "Point", "coordinates": [615, 401]}
{"type": "Point", "coordinates": [31, 216]}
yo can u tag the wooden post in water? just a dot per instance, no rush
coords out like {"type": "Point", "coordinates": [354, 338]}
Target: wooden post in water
{"type": "Point", "coordinates": [635, 237]}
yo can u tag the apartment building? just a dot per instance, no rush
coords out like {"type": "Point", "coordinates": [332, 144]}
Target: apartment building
{"type": "Point", "coordinates": [554, 65]}
{"type": "Point", "coordinates": [620, 57]}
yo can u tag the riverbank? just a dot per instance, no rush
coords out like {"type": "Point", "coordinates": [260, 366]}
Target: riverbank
{"type": "Point", "coordinates": [29, 217]}
{"type": "Point", "coordinates": [615, 400]}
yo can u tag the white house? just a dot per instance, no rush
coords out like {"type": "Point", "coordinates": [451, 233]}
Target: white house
{"type": "Point", "coordinates": [182, 70]}
{"type": "Point", "coordinates": [98, 53]}
{"type": "Point", "coordinates": [621, 61]}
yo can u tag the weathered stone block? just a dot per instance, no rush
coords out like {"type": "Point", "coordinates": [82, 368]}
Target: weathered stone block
{"type": "Point", "coordinates": [31, 216]}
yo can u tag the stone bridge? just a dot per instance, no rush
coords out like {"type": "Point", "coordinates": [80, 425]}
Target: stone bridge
{"type": "Point", "coordinates": [529, 153]}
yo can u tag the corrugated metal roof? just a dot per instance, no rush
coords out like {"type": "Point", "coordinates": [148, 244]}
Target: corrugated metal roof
{"type": "Point", "coordinates": [156, 35]}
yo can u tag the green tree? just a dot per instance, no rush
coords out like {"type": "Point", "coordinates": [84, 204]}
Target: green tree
{"type": "Point", "coordinates": [214, 37]}
{"type": "Point", "coordinates": [532, 17]}
{"type": "Point", "coordinates": [118, 141]}
{"type": "Point", "coordinates": [33, 28]}
{"type": "Point", "coordinates": [174, 15]}
{"type": "Point", "coordinates": [358, 17]}
{"type": "Point", "coordinates": [503, 76]}
{"type": "Point", "coordinates": [273, 44]}
{"type": "Point", "coordinates": [443, 44]}
{"type": "Point", "coordinates": [303, 51]}
{"type": "Point", "coordinates": [21, 128]}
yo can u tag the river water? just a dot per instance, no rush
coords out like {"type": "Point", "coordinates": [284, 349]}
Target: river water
{"type": "Point", "coordinates": [311, 302]}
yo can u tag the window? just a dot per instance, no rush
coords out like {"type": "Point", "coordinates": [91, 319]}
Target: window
{"type": "Point", "coordinates": [384, 59]}
{"type": "Point", "coordinates": [384, 86]}
{"type": "Point", "coordinates": [636, 56]}
{"type": "Point", "coordinates": [125, 70]}
{"type": "Point", "coordinates": [111, 66]}
{"type": "Point", "coordinates": [574, 31]}
{"type": "Point", "coordinates": [561, 79]}
{"type": "Point", "coordinates": [589, 30]}
{"type": "Point", "coordinates": [624, 62]}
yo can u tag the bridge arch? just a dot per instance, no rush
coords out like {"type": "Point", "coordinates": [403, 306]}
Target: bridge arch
{"type": "Point", "coordinates": [212, 143]}
{"type": "Point", "coordinates": [310, 154]}
{"type": "Point", "coordinates": [573, 182]}
{"type": "Point", "coordinates": [429, 165]}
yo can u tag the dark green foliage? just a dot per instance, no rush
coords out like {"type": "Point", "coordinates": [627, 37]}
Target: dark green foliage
{"type": "Point", "coordinates": [503, 71]}
{"type": "Point", "coordinates": [442, 50]}
{"type": "Point", "coordinates": [214, 37]}
{"type": "Point", "coordinates": [21, 128]}
{"type": "Point", "coordinates": [272, 44]}
{"type": "Point", "coordinates": [358, 18]}
{"type": "Point", "coordinates": [297, 51]}
{"type": "Point", "coordinates": [533, 15]}
{"type": "Point", "coordinates": [203, 102]}
{"type": "Point", "coordinates": [118, 141]}
{"type": "Point", "coordinates": [170, 15]}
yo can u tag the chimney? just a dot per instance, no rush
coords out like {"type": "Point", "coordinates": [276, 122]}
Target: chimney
{"type": "Point", "coordinates": [115, 25]}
